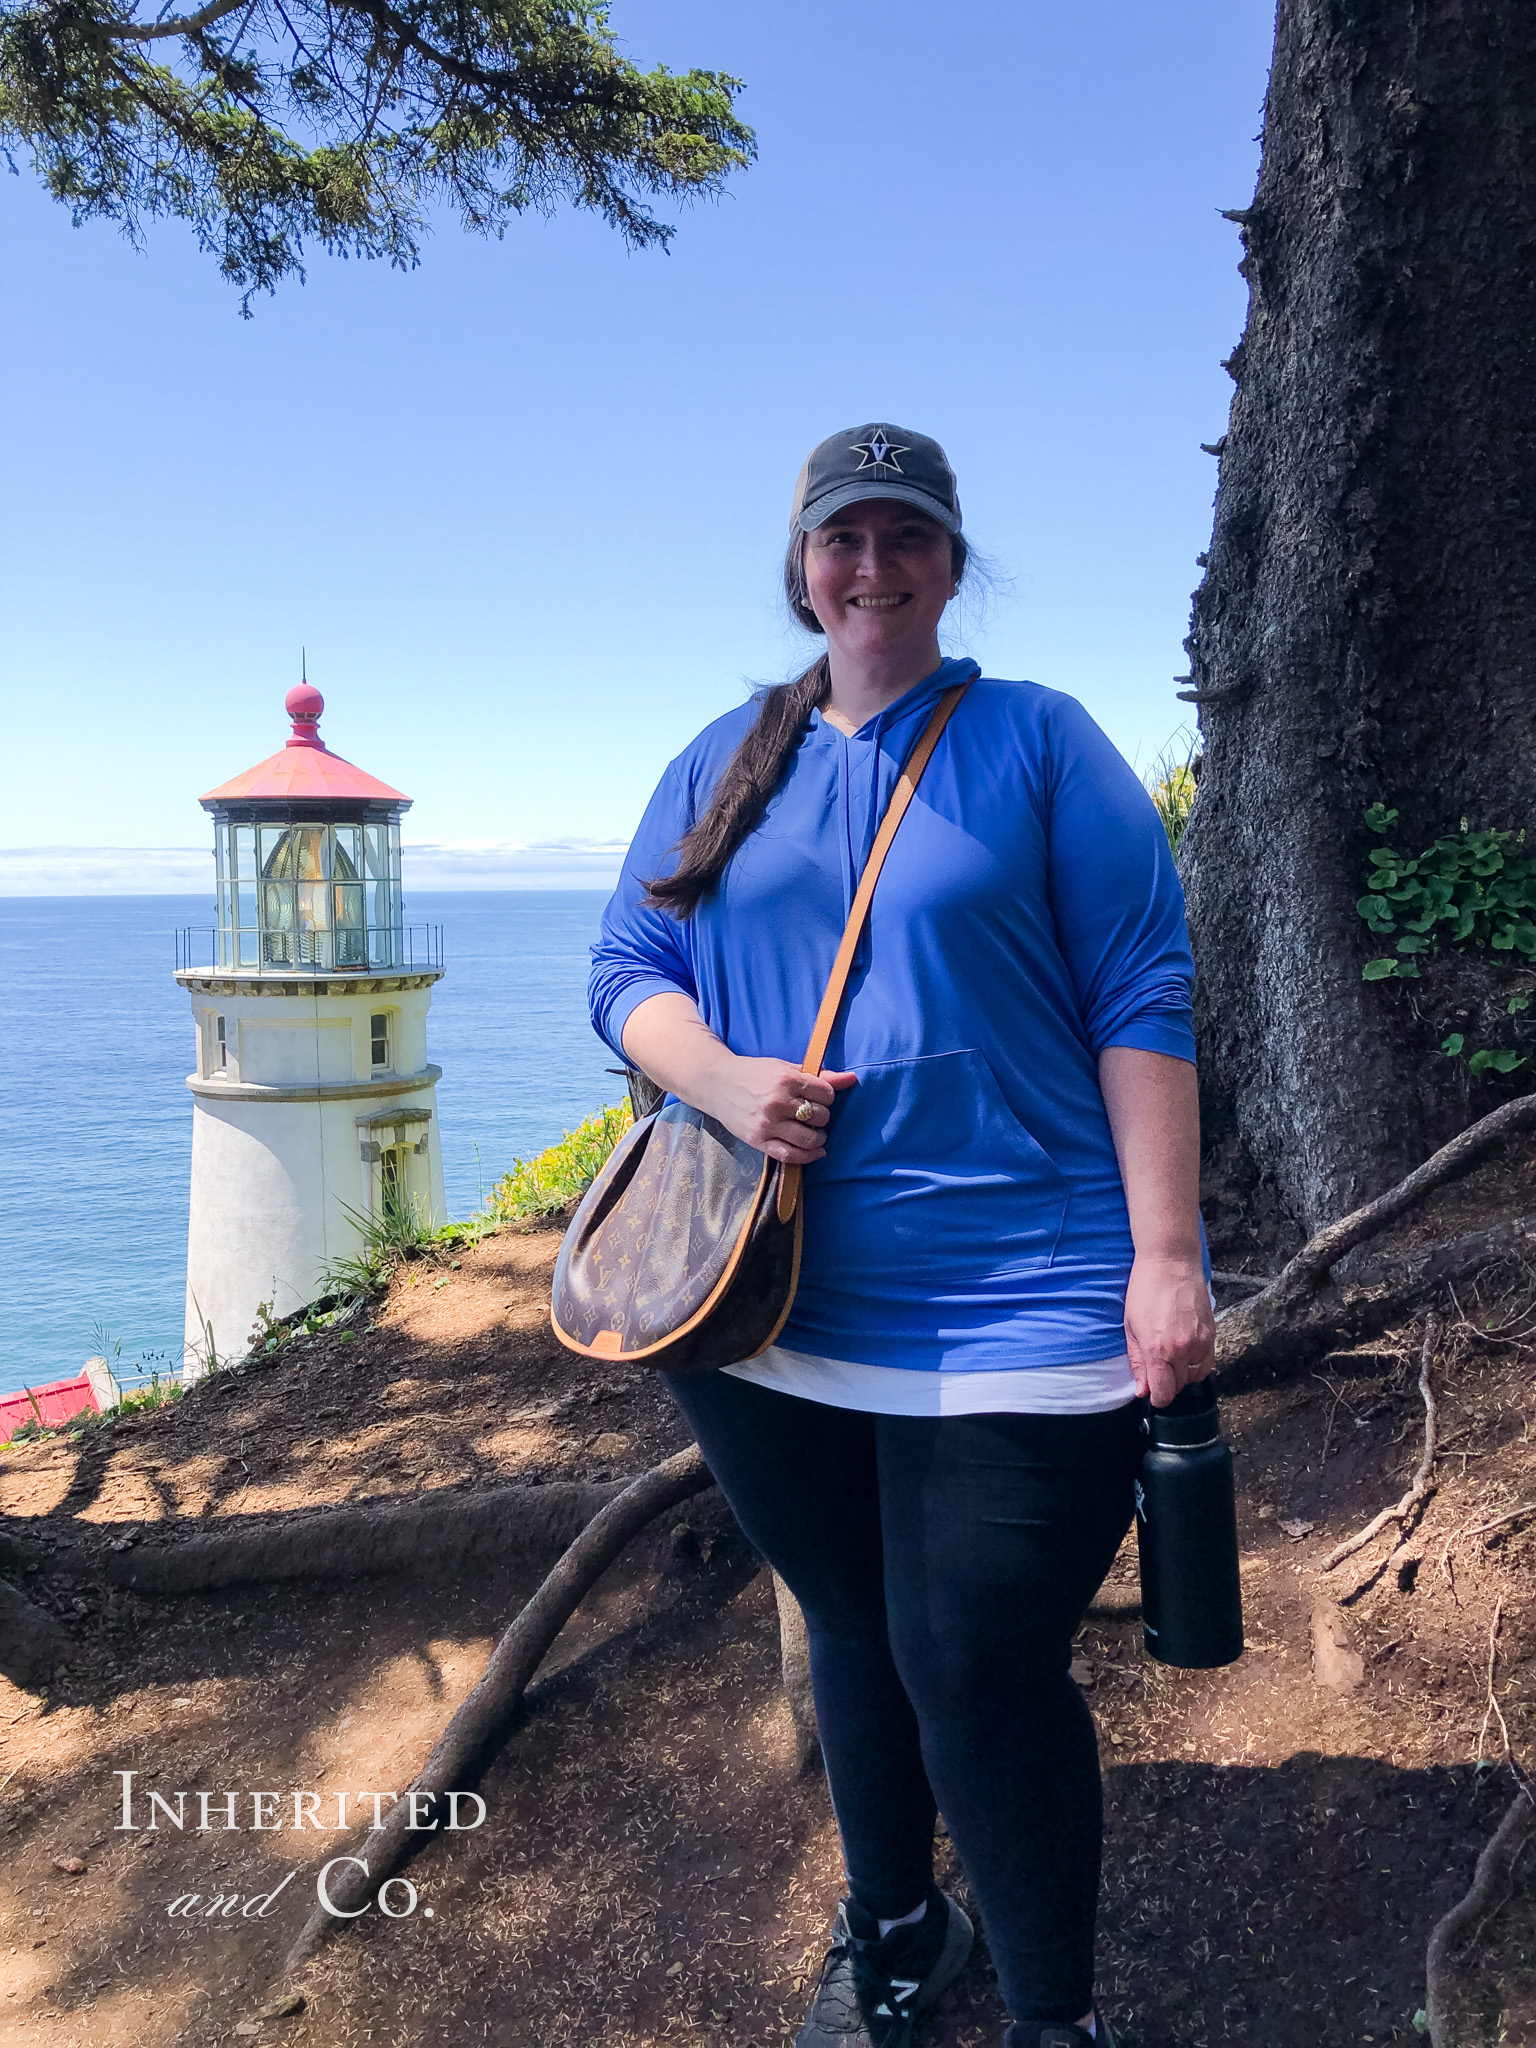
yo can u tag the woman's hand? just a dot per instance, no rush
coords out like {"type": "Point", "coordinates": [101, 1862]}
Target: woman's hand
{"type": "Point", "coordinates": [755, 1099]}
{"type": "Point", "coordinates": [1170, 1333]}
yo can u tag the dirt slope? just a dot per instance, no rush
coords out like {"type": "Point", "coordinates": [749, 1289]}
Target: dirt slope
{"type": "Point", "coordinates": [650, 1868]}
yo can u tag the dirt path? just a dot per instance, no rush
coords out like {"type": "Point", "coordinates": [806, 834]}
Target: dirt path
{"type": "Point", "coordinates": [650, 1869]}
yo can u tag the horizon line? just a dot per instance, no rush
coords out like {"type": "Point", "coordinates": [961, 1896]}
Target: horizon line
{"type": "Point", "coordinates": [571, 862]}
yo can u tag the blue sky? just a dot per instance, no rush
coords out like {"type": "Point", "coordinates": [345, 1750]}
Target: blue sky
{"type": "Point", "coordinates": [525, 505]}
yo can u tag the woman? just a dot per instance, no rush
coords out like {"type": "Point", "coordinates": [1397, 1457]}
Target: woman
{"type": "Point", "coordinates": [1002, 1244]}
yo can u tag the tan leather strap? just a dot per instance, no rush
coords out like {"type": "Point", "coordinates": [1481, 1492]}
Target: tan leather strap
{"type": "Point", "coordinates": [858, 916]}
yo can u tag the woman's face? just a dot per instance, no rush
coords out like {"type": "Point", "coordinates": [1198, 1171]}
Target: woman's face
{"type": "Point", "coordinates": [878, 575]}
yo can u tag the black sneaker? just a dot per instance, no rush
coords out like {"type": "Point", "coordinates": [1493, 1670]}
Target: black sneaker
{"type": "Point", "coordinates": [873, 1992]}
{"type": "Point", "coordinates": [1052, 2034]}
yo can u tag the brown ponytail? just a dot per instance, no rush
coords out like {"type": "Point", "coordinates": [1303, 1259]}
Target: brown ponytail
{"type": "Point", "coordinates": [756, 768]}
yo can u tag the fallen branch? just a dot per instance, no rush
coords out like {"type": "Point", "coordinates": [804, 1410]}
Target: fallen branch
{"type": "Point", "coordinates": [1424, 1479]}
{"type": "Point", "coordinates": [1479, 1529]}
{"type": "Point", "coordinates": [1489, 1882]}
{"type": "Point", "coordinates": [1499, 1521]}
{"type": "Point", "coordinates": [485, 1717]}
{"type": "Point", "coordinates": [1251, 1325]}
{"type": "Point", "coordinates": [1510, 1334]}
{"type": "Point", "coordinates": [1333, 1413]}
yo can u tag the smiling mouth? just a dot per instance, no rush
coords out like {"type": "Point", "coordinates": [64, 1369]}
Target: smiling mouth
{"type": "Point", "coordinates": [881, 604]}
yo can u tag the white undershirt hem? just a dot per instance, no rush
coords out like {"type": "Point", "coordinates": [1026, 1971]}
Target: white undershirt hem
{"type": "Point", "coordinates": [900, 1390]}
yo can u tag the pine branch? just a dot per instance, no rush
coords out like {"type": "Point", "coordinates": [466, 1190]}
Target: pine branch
{"type": "Point", "coordinates": [182, 25]}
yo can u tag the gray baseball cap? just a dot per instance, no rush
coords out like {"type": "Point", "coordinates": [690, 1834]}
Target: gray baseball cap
{"type": "Point", "coordinates": [875, 462]}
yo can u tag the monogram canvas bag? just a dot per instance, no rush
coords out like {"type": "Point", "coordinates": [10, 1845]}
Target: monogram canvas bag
{"type": "Point", "coordinates": [685, 1251]}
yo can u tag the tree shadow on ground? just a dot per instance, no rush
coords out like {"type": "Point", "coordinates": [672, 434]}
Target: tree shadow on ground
{"type": "Point", "coordinates": [1293, 1905]}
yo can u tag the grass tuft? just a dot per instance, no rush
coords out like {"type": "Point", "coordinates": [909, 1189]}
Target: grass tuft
{"type": "Point", "coordinates": [1171, 785]}
{"type": "Point", "coordinates": [401, 1231]}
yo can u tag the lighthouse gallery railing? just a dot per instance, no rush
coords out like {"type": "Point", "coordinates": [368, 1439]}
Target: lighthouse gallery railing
{"type": "Point", "coordinates": [348, 949]}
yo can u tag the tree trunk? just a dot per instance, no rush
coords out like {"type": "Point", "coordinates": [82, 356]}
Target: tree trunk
{"type": "Point", "coordinates": [1366, 629]}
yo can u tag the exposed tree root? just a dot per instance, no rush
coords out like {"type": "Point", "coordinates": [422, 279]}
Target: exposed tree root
{"type": "Point", "coordinates": [443, 1532]}
{"type": "Point", "coordinates": [1423, 1484]}
{"type": "Point", "coordinates": [795, 1665]}
{"type": "Point", "coordinates": [1490, 1881]}
{"type": "Point", "coordinates": [1247, 1283]}
{"type": "Point", "coordinates": [1322, 1253]}
{"type": "Point", "coordinates": [32, 1643]}
{"type": "Point", "coordinates": [1264, 1339]}
{"type": "Point", "coordinates": [1495, 1867]}
{"type": "Point", "coordinates": [485, 1717]}
{"type": "Point", "coordinates": [1298, 1309]}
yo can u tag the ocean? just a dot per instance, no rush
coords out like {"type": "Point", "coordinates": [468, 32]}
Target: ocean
{"type": "Point", "coordinates": [96, 1120]}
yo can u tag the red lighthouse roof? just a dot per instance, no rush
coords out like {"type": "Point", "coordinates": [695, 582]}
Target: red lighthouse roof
{"type": "Point", "coordinates": [306, 770]}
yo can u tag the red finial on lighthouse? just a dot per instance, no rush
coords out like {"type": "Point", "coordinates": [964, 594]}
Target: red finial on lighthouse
{"type": "Point", "coordinates": [304, 705]}
{"type": "Point", "coordinates": [305, 771]}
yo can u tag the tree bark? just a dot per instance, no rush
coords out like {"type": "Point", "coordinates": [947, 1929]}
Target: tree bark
{"type": "Point", "coordinates": [1366, 629]}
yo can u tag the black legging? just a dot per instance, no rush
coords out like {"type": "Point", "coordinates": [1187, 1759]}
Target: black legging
{"type": "Point", "coordinates": [944, 1567]}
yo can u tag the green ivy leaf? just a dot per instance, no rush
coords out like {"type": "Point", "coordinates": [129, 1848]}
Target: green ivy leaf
{"type": "Point", "coordinates": [1378, 970]}
{"type": "Point", "coordinates": [1376, 911]}
{"type": "Point", "coordinates": [1452, 1046]}
{"type": "Point", "coordinates": [1379, 819]}
{"type": "Point", "coordinates": [1499, 1062]}
{"type": "Point", "coordinates": [1503, 941]}
{"type": "Point", "coordinates": [1517, 1004]}
{"type": "Point", "coordinates": [1524, 936]}
{"type": "Point", "coordinates": [1412, 945]}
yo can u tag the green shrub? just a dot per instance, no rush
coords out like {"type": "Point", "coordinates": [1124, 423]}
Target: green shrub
{"type": "Point", "coordinates": [1476, 889]}
{"type": "Point", "coordinates": [559, 1177]}
{"type": "Point", "coordinates": [1468, 892]}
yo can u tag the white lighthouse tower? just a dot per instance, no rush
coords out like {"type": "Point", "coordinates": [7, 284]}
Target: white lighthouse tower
{"type": "Point", "coordinates": [314, 1107]}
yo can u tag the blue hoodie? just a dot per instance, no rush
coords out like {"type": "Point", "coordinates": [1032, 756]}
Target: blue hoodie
{"type": "Point", "coordinates": [969, 1213]}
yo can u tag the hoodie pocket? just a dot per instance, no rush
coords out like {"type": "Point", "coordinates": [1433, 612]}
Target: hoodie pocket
{"type": "Point", "coordinates": [930, 1180]}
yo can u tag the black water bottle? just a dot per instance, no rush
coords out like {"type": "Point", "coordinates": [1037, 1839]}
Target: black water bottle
{"type": "Point", "coordinates": [1186, 1532]}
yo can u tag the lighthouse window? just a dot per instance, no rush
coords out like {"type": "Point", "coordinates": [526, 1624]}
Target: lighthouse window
{"type": "Point", "coordinates": [220, 1044]}
{"type": "Point", "coordinates": [307, 896]}
{"type": "Point", "coordinates": [378, 1027]}
{"type": "Point", "coordinates": [393, 1182]}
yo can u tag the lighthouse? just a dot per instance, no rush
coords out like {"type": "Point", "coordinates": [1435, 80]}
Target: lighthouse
{"type": "Point", "coordinates": [314, 1106]}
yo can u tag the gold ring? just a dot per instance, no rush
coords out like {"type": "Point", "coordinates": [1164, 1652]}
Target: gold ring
{"type": "Point", "coordinates": [806, 1113]}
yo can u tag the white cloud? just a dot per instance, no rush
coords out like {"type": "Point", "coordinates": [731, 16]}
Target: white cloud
{"type": "Point", "coordinates": [106, 871]}
{"type": "Point", "coordinates": [188, 870]}
{"type": "Point", "coordinates": [514, 863]}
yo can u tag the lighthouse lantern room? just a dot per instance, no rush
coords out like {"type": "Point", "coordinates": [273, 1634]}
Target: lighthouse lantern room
{"type": "Point", "coordinates": [314, 1108]}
